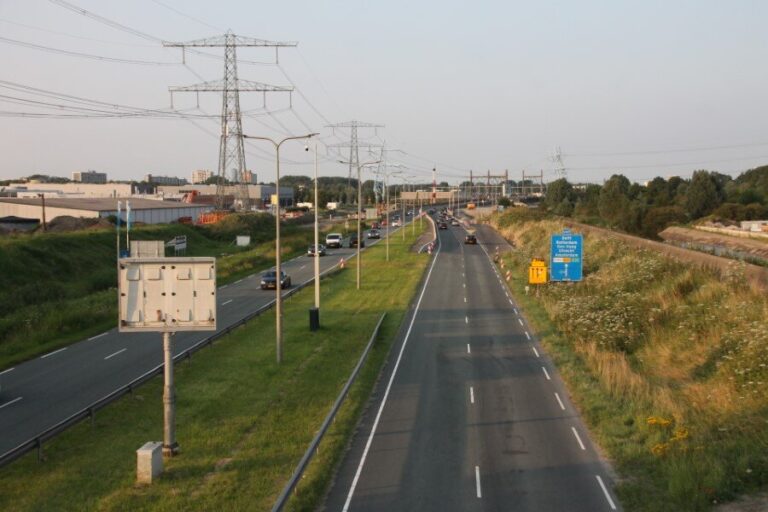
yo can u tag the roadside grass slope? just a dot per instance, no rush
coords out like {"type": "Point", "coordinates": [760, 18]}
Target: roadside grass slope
{"type": "Point", "coordinates": [243, 422]}
{"type": "Point", "coordinates": [667, 361]}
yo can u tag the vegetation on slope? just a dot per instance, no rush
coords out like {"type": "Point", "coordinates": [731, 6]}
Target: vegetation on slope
{"type": "Point", "coordinates": [667, 361]}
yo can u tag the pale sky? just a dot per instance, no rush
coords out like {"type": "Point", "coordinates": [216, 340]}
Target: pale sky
{"type": "Point", "coordinates": [646, 88]}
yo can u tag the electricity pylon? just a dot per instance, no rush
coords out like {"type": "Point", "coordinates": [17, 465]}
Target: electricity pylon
{"type": "Point", "coordinates": [353, 145]}
{"type": "Point", "coordinates": [231, 150]}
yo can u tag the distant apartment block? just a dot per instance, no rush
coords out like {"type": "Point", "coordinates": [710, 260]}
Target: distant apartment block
{"type": "Point", "coordinates": [170, 181]}
{"type": "Point", "coordinates": [249, 177]}
{"type": "Point", "coordinates": [201, 176]}
{"type": "Point", "coordinates": [89, 177]}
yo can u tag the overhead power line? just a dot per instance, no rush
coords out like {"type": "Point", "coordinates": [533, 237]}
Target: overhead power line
{"type": "Point", "coordinates": [666, 151]}
{"type": "Point", "coordinates": [85, 55]}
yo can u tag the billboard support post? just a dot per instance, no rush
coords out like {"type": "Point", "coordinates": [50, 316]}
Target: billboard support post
{"type": "Point", "coordinates": [170, 446]}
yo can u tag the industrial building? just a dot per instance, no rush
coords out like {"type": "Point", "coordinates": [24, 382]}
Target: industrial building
{"type": "Point", "coordinates": [148, 211]}
{"type": "Point", "coordinates": [76, 190]}
{"type": "Point", "coordinates": [201, 176]}
{"type": "Point", "coordinates": [89, 177]}
{"type": "Point", "coordinates": [165, 180]}
{"type": "Point", "coordinates": [260, 194]}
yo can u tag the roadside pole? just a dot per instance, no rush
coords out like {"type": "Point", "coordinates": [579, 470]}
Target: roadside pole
{"type": "Point", "coordinates": [317, 236]}
{"type": "Point", "coordinates": [170, 446]}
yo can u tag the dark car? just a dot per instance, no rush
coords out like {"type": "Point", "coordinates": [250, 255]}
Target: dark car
{"type": "Point", "coordinates": [470, 239]}
{"type": "Point", "coordinates": [353, 241]}
{"type": "Point", "coordinates": [269, 280]}
{"type": "Point", "coordinates": [442, 225]}
{"type": "Point", "coordinates": [320, 250]}
{"type": "Point", "coordinates": [374, 233]}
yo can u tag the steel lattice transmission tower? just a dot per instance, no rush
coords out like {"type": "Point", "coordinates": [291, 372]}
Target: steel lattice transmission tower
{"type": "Point", "coordinates": [231, 149]}
{"type": "Point", "coordinates": [557, 158]}
{"type": "Point", "coordinates": [353, 145]}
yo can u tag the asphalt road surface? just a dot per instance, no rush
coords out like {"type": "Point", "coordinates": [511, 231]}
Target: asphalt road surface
{"type": "Point", "coordinates": [470, 414]}
{"type": "Point", "coordinates": [42, 392]}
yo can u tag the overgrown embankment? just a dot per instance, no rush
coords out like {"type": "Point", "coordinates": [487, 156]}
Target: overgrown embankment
{"type": "Point", "coordinates": [668, 362]}
{"type": "Point", "coordinates": [56, 288]}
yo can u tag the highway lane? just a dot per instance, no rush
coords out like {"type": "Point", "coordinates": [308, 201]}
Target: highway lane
{"type": "Point", "coordinates": [40, 393]}
{"type": "Point", "coordinates": [470, 415]}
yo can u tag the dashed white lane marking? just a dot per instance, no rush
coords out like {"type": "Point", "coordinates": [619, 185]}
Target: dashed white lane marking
{"type": "Point", "coordinates": [535, 351]}
{"type": "Point", "coordinates": [222, 287]}
{"type": "Point", "coordinates": [98, 336]}
{"type": "Point", "coordinates": [225, 303]}
{"type": "Point", "coordinates": [515, 310]}
{"type": "Point", "coordinates": [521, 322]}
{"type": "Point", "coordinates": [54, 352]}
{"type": "Point", "coordinates": [605, 491]}
{"type": "Point", "coordinates": [466, 319]}
{"type": "Point", "coordinates": [573, 429]}
{"type": "Point", "coordinates": [471, 394]}
{"type": "Point", "coordinates": [464, 285]}
{"type": "Point", "coordinates": [465, 299]}
{"type": "Point", "coordinates": [510, 301]}
{"type": "Point", "coordinates": [546, 373]}
{"type": "Point", "coordinates": [8, 370]}
{"type": "Point", "coordinates": [6, 404]}
{"type": "Point", "coordinates": [238, 281]}
{"type": "Point", "coordinates": [477, 482]}
{"type": "Point", "coordinates": [469, 351]}
{"type": "Point", "coordinates": [302, 267]}
{"type": "Point", "coordinates": [110, 356]}
{"type": "Point", "coordinates": [560, 402]}
{"type": "Point", "coordinates": [527, 335]}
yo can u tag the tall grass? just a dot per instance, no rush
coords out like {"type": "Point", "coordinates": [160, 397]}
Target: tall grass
{"type": "Point", "coordinates": [668, 361]}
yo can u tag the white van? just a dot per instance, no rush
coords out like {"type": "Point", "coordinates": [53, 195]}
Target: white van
{"type": "Point", "coordinates": [333, 240]}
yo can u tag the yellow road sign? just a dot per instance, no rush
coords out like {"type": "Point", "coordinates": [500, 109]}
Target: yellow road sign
{"type": "Point", "coordinates": [537, 272]}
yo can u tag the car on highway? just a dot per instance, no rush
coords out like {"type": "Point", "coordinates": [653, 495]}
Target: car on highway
{"type": "Point", "coordinates": [454, 222]}
{"type": "Point", "coordinates": [319, 252]}
{"type": "Point", "coordinates": [353, 241]}
{"type": "Point", "coordinates": [333, 240]}
{"type": "Point", "coordinates": [470, 239]}
{"type": "Point", "coordinates": [442, 225]}
{"type": "Point", "coordinates": [396, 223]}
{"type": "Point", "coordinates": [374, 233]}
{"type": "Point", "coordinates": [269, 280]}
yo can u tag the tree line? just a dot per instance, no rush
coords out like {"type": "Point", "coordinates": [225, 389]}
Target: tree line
{"type": "Point", "coordinates": [648, 209]}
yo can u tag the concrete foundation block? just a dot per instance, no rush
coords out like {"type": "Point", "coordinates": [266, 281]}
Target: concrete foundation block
{"type": "Point", "coordinates": [149, 462]}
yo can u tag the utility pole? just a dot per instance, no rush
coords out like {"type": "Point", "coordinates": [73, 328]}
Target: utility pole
{"type": "Point", "coordinates": [231, 149]}
{"type": "Point", "coordinates": [353, 145]}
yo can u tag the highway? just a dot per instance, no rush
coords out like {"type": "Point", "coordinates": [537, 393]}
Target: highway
{"type": "Point", "coordinates": [44, 391]}
{"type": "Point", "coordinates": [470, 414]}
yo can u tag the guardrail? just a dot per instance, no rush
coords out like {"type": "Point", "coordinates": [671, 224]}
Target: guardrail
{"type": "Point", "coordinates": [88, 412]}
{"type": "Point", "coordinates": [304, 462]}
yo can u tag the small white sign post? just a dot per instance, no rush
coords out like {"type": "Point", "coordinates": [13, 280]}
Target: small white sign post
{"type": "Point", "coordinates": [167, 295]}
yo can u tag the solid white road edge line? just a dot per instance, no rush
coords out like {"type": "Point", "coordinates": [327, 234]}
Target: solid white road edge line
{"type": "Point", "coordinates": [54, 352]}
{"type": "Point", "coordinates": [389, 386]}
{"type": "Point", "coordinates": [116, 353]}
{"type": "Point", "coordinates": [471, 394]}
{"type": "Point", "coordinates": [546, 373]}
{"type": "Point", "coordinates": [559, 401]}
{"type": "Point", "coordinates": [535, 351]}
{"type": "Point", "coordinates": [573, 429]}
{"type": "Point", "coordinates": [11, 369]}
{"type": "Point", "coordinates": [605, 491]}
{"type": "Point", "coordinates": [11, 402]}
{"type": "Point", "coordinates": [477, 482]}
{"type": "Point", "coordinates": [225, 303]}
{"type": "Point", "coordinates": [98, 336]}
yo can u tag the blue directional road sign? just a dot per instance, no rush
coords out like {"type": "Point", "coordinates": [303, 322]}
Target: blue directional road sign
{"type": "Point", "coordinates": [566, 257]}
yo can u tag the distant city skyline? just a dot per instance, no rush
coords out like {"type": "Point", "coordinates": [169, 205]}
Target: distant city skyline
{"type": "Point", "coordinates": [643, 89]}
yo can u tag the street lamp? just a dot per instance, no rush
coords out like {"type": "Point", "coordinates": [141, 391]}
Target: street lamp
{"type": "Point", "coordinates": [278, 274]}
{"type": "Point", "coordinates": [359, 211]}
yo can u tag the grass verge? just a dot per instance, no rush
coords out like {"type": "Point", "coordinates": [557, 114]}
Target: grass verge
{"type": "Point", "coordinates": [666, 361]}
{"type": "Point", "coordinates": [243, 422]}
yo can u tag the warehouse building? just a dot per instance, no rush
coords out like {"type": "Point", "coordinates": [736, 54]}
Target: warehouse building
{"type": "Point", "coordinates": [147, 211]}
